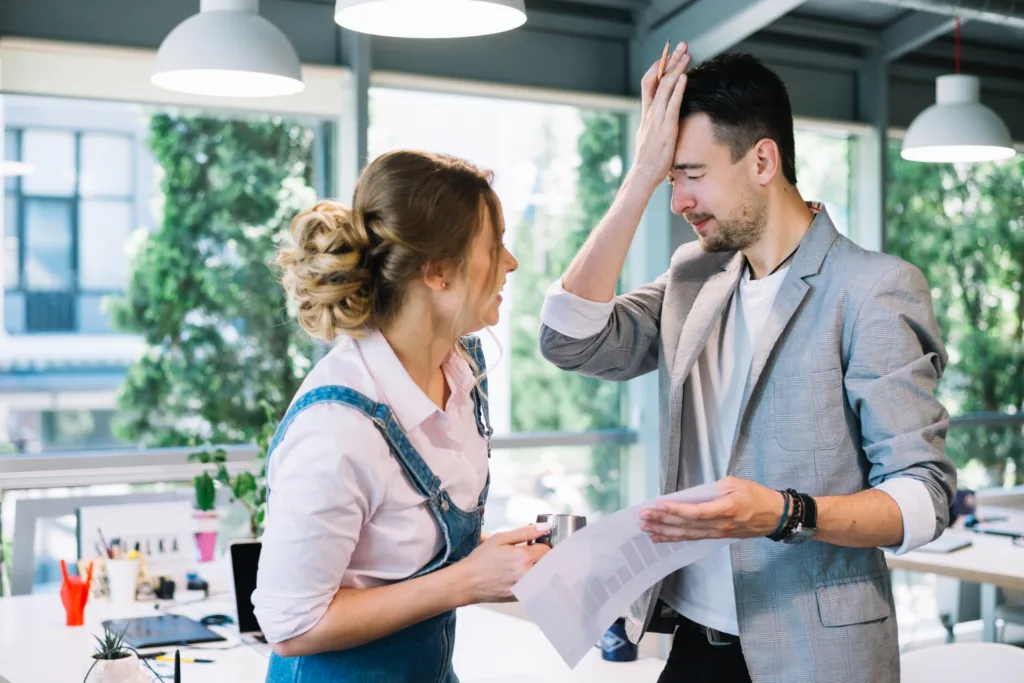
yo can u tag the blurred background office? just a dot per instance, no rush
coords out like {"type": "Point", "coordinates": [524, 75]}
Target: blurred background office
{"type": "Point", "coordinates": [141, 323]}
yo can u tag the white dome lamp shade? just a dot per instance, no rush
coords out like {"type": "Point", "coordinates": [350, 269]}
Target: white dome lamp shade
{"type": "Point", "coordinates": [958, 127]}
{"type": "Point", "coordinates": [430, 18]}
{"type": "Point", "coordinates": [228, 50]}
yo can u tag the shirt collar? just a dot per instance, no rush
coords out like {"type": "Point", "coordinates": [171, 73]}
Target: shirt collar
{"type": "Point", "coordinates": [397, 389]}
{"type": "Point", "coordinates": [410, 405]}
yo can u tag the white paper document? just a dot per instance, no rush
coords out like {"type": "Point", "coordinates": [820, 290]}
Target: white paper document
{"type": "Point", "coordinates": [589, 580]}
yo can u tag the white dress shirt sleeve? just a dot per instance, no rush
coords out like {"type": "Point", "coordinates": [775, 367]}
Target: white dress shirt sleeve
{"type": "Point", "coordinates": [918, 512]}
{"type": "Point", "coordinates": [573, 316]}
{"type": "Point", "coordinates": [323, 489]}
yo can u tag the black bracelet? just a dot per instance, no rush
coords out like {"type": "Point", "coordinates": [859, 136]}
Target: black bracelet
{"type": "Point", "coordinates": [777, 534]}
{"type": "Point", "coordinates": [798, 513]}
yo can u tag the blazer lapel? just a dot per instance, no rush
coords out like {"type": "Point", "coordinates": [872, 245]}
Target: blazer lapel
{"type": "Point", "coordinates": [807, 262]}
{"type": "Point", "coordinates": [706, 310]}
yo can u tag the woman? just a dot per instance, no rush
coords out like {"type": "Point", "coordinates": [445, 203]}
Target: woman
{"type": "Point", "coordinates": [378, 473]}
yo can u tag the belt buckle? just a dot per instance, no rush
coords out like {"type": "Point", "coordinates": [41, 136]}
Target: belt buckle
{"type": "Point", "coordinates": [715, 637]}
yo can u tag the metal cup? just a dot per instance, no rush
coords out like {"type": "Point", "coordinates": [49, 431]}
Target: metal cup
{"type": "Point", "coordinates": [561, 527]}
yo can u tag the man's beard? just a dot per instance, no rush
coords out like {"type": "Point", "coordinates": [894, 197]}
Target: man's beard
{"type": "Point", "coordinates": [737, 233]}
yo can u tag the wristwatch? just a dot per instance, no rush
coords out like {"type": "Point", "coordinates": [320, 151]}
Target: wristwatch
{"type": "Point", "coordinates": [806, 522]}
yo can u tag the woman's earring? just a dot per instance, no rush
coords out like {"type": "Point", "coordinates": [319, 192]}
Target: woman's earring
{"type": "Point", "coordinates": [444, 284]}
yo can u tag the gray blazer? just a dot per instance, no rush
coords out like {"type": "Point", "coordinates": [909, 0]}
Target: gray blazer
{"type": "Point", "coordinates": [840, 397]}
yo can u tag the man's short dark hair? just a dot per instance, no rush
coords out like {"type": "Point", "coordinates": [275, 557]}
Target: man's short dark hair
{"type": "Point", "coordinates": [746, 102]}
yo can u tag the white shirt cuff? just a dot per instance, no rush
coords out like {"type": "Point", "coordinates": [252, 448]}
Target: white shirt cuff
{"type": "Point", "coordinates": [573, 316]}
{"type": "Point", "coordinates": [918, 512]}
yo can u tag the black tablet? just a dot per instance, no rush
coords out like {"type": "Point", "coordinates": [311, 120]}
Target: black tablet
{"type": "Point", "coordinates": [164, 630]}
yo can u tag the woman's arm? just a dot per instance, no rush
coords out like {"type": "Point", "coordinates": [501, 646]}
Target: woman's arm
{"type": "Point", "coordinates": [361, 615]}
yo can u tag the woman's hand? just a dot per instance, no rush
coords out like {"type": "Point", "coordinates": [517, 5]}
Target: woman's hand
{"type": "Point", "coordinates": [498, 563]}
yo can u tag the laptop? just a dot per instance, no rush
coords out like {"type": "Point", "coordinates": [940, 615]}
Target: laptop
{"type": "Point", "coordinates": [245, 560]}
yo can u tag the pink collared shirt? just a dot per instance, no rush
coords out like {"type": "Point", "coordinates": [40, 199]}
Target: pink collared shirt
{"type": "Point", "coordinates": [342, 513]}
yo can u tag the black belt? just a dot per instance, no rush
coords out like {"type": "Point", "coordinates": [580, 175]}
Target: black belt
{"type": "Point", "coordinates": [714, 636]}
{"type": "Point", "coordinates": [667, 620]}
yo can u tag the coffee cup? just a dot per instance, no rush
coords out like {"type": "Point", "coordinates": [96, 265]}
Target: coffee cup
{"type": "Point", "coordinates": [560, 527]}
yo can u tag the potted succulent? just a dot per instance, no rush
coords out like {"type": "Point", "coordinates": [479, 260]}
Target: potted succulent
{"type": "Point", "coordinates": [114, 662]}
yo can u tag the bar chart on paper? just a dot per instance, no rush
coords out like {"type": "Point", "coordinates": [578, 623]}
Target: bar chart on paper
{"type": "Point", "coordinates": [579, 588]}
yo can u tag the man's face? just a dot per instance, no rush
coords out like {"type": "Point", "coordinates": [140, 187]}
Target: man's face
{"type": "Point", "coordinates": [721, 199]}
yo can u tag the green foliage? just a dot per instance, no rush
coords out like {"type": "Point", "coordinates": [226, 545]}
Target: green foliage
{"type": "Point", "coordinates": [111, 645]}
{"type": "Point", "coordinates": [547, 398]}
{"type": "Point", "coordinates": [223, 358]}
{"type": "Point", "coordinates": [206, 492]}
{"type": "Point", "coordinates": [963, 226]}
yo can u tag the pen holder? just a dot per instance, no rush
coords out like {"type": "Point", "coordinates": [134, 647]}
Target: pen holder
{"type": "Point", "coordinates": [74, 593]}
{"type": "Point", "coordinates": [122, 580]}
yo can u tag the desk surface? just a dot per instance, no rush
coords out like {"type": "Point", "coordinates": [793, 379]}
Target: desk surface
{"type": "Point", "coordinates": [490, 647]}
{"type": "Point", "coordinates": [989, 559]}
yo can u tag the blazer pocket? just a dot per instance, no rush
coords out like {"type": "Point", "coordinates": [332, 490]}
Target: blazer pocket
{"type": "Point", "coordinates": [809, 410]}
{"type": "Point", "coordinates": [856, 601]}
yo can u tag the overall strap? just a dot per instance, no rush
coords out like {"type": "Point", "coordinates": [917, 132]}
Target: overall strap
{"type": "Point", "coordinates": [419, 473]}
{"type": "Point", "coordinates": [473, 347]}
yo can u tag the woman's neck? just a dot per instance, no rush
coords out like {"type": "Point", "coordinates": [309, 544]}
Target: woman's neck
{"type": "Point", "coordinates": [422, 351]}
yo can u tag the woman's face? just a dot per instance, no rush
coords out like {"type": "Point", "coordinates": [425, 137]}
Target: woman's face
{"type": "Point", "coordinates": [484, 282]}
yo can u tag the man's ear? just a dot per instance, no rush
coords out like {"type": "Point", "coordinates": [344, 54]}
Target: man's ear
{"type": "Point", "coordinates": [768, 161]}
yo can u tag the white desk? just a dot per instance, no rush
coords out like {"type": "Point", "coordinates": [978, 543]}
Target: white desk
{"type": "Point", "coordinates": [490, 647]}
{"type": "Point", "coordinates": [993, 561]}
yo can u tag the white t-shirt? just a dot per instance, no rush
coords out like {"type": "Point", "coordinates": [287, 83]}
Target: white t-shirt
{"type": "Point", "coordinates": [703, 591]}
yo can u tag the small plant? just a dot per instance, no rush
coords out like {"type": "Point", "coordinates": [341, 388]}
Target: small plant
{"type": "Point", "coordinates": [247, 488]}
{"type": "Point", "coordinates": [111, 647]}
{"type": "Point", "coordinates": [206, 492]}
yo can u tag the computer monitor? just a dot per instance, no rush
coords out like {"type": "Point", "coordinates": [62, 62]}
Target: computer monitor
{"type": "Point", "coordinates": [245, 560]}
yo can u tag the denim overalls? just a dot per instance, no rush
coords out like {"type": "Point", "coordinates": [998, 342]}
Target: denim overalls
{"type": "Point", "coordinates": [421, 653]}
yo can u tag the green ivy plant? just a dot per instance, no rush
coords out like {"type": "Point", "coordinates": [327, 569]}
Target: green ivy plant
{"type": "Point", "coordinates": [246, 488]}
{"type": "Point", "coordinates": [223, 355]}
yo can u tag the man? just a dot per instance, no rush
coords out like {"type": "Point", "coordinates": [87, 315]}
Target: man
{"type": "Point", "coordinates": [789, 359]}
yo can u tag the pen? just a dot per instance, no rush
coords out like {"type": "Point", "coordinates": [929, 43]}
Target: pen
{"type": "Point", "coordinates": [664, 61]}
{"type": "Point", "coordinates": [187, 660]}
{"type": "Point", "coordinates": [177, 666]}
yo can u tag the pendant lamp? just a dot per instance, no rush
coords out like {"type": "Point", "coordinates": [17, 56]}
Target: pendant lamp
{"type": "Point", "coordinates": [958, 127]}
{"type": "Point", "coordinates": [228, 50]}
{"type": "Point", "coordinates": [430, 18]}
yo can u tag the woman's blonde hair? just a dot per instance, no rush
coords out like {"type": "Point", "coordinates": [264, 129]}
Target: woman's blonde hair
{"type": "Point", "coordinates": [349, 268]}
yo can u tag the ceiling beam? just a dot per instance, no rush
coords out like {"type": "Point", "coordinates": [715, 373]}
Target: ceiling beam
{"type": "Point", "coordinates": [711, 27]}
{"type": "Point", "coordinates": [915, 31]}
{"type": "Point", "coordinates": [631, 5]}
{"type": "Point", "coordinates": [577, 25]}
{"type": "Point", "coordinates": [832, 31]}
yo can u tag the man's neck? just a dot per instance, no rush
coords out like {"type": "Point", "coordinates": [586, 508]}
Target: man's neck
{"type": "Point", "coordinates": [788, 219]}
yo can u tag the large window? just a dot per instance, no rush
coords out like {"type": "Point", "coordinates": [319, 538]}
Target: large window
{"type": "Point", "coordinates": [823, 171]}
{"type": "Point", "coordinates": [556, 169]}
{"type": "Point", "coordinates": [138, 295]}
{"type": "Point", "coordinates": [64, 216]}
{"type": "Point", "coordinates": [963, 226]}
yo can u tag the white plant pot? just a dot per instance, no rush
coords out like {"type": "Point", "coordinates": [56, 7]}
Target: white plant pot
{"type": "Point", "coordinates": [206, 520]}
{"type": "Point", "coordinates": [125, 670]}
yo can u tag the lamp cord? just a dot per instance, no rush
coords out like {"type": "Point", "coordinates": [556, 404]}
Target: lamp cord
{"type": "Point", "coordinates": [958, 44]}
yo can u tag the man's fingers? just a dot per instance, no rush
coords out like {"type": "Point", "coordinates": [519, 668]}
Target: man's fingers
{"type": "Point", "coordinates": [675, 101]}
{"type": "Point", "coordinates": [669, 532]}
{"type": "Point", "coordinates": [649, 85]}
{"type": "Point", "coordinates": [673, 70]}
